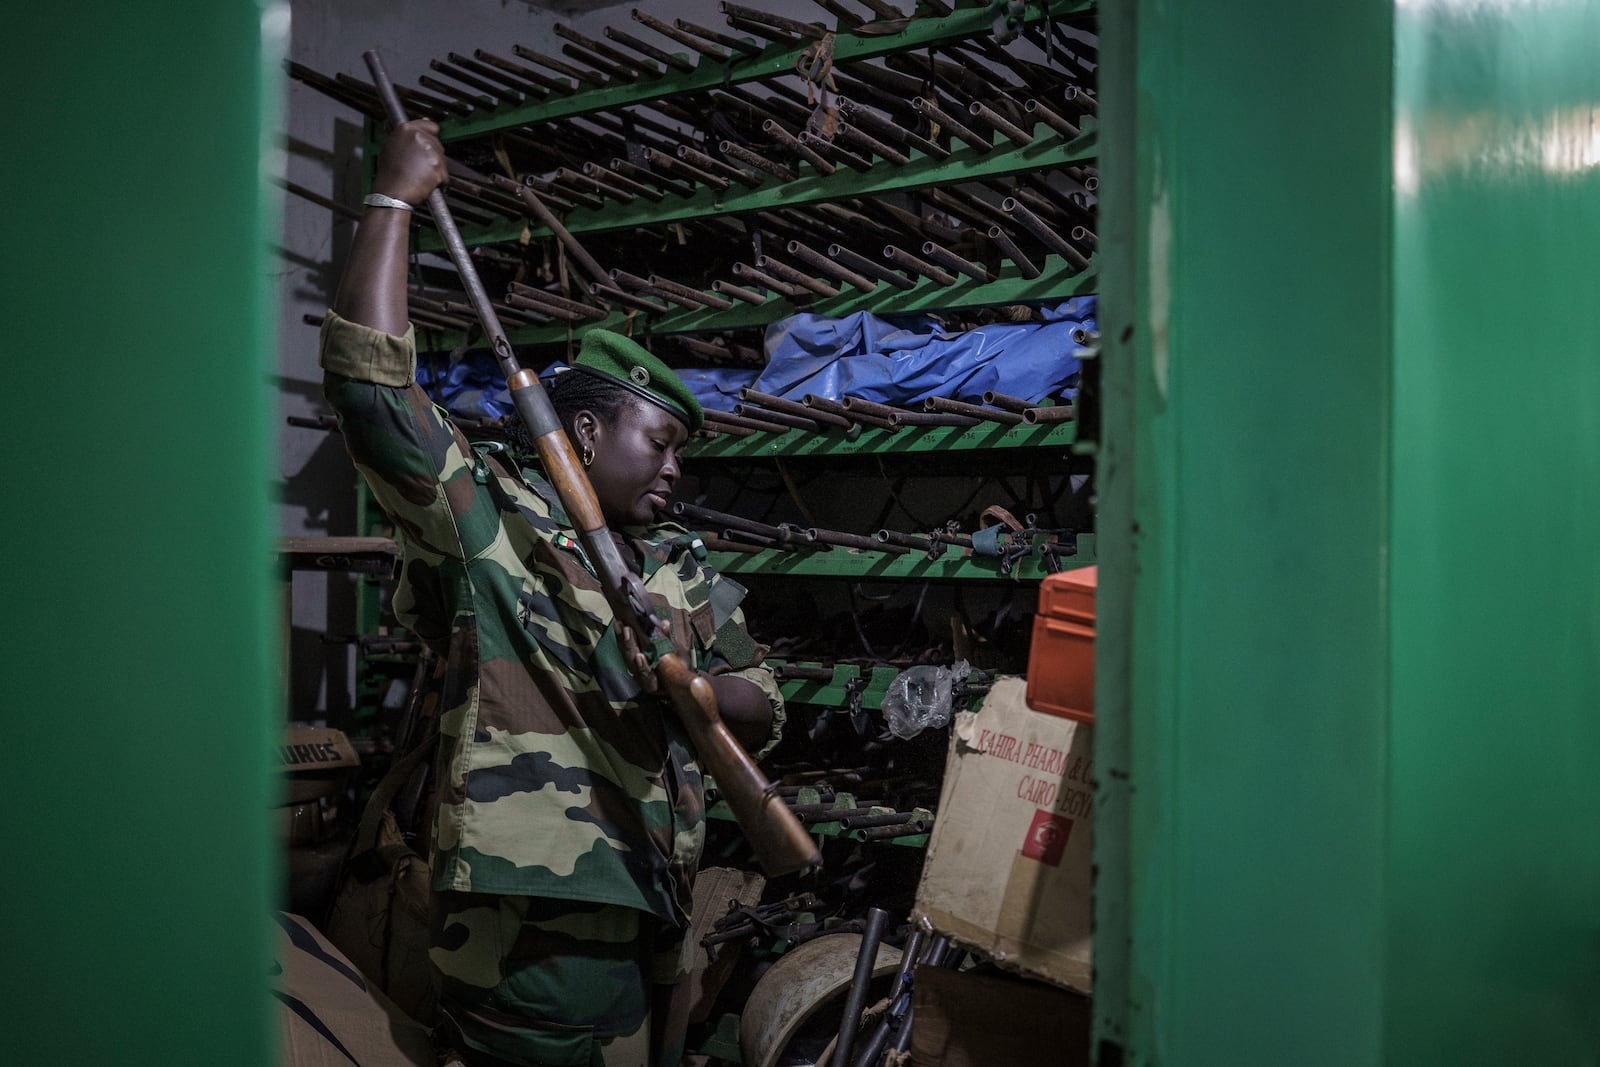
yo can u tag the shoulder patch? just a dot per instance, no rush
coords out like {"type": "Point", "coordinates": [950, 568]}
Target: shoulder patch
{"type": "Point", "coordinates": [726, 596]}
{"type": "Point", "coordinates": [736, 646]}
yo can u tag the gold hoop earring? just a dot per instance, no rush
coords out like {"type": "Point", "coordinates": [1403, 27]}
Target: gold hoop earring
{"type": "Point", "coordinates": [588, 455]}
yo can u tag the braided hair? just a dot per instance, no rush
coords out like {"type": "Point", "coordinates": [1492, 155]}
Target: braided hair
{"type": "Point", "coordinates": [570, 393]}
{"type": "Point", "coordinates": [575, 391]}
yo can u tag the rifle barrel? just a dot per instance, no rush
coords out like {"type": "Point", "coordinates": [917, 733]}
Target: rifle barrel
{"type": "Point", "coordinates": [778, 403]}
{"type": "Point", "coordinates": [973, 411]}
{"type": "Point", "coordinates": [850, 540]}
{"type": "Point", "coordinates": [1058, 413]}
{"type": "Point", "coordinates": [782, 418]}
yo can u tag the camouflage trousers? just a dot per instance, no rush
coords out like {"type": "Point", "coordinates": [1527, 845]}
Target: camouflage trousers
{"type": "Point", "coordinates": [532, 982]}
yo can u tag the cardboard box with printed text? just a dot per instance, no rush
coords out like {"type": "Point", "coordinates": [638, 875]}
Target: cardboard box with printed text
{"type": "Point", "coordinates": [1008, 869]}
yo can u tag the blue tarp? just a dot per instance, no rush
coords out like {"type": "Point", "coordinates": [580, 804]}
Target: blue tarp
{"type": "Point", "coordinates": [472, 387]}
{"type": "Point", "coordinates": [891, 361]}
{"type": "Point", "coordinates": [902, 361]}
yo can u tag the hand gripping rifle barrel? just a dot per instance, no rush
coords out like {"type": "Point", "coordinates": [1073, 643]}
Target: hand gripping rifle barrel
{"type": "Point", "coordinates": [780, 842]}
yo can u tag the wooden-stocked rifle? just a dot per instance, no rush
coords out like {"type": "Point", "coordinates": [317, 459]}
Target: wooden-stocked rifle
{"type": "Point", "coordinates": [781, 844]}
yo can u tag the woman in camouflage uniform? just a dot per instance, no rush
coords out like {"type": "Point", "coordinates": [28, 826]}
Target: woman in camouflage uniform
{"type": "Point", "coordinates": [571, 806]}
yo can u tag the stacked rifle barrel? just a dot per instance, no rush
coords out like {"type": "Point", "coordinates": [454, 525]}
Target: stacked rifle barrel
{"type": "Point", "coordinates": [625, 190]}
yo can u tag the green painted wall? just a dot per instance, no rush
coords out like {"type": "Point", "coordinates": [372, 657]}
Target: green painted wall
{"type": "Point", "coordinates": [1350, 615]}
{"type": "Point", "coordinates": [140, 691]}
{"type": "Point", "coordinates": [1494, 873]}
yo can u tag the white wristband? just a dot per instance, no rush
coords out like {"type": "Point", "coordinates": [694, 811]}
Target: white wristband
{"type": "Point", "coordinates": [379, 200]}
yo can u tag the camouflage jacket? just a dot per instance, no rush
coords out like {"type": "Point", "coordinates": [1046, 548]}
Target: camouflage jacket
{"type": "Point", "coordinates": [560, 778]}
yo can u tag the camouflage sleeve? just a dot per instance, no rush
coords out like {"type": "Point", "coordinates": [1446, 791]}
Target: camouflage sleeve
{"type": "Point", "coordinates": [418, 466]}
{"type": "Point", "coordinates": [748, 656]}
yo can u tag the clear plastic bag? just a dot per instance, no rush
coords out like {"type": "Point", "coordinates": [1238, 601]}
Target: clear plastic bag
{"type": "Point", "coordinates": [921, 697]}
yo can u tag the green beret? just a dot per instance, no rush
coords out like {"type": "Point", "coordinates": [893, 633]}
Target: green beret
{"type": "Point", "coordinates": [610, 355]}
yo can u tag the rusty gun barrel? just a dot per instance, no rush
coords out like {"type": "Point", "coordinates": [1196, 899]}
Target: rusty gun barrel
{"type": "Point", "coordinates": [906, 261]}
{"type": "Point", "coordinates": [894, 537]}
{"type": "Point", "coordinates": [930, 418]}
{"type": "Point", "coordinates": [1054, 119]}
{"type": "Point", "coordinates": [795, 277]}
{"type": "Point", "coordinates": [584, 180]}
{"type": "Point", "coordinates": [1008, 247]}
{"type": "Point", "coordinates": [545, 215]}
{"type": "Point", "coordinates": [649, 51]}
{"type": "Point", "coordinates": [738, 292]}
{"type": "Point", "coordinates": [908, 828]}
{"type": "Point", "coordinates": [680, 166]}
{"type": "Point", "coordinates": [801, 672]}
{"type": "Point", "coordinates": [737, 44]}
{"type": "Point", "coordinates": [834, 152]}
{"type": "Point", "coordinates": [833, 407]}
{"type": "Point", "coordinates": [946, 258]}
{"type": "Point", "coordinates": [988, 115]}
{"type": "Point", "coordinates": [548, 304]}
{"type": "Point", "coordinates": [1007, 401]}
{"type": "Point", "coordinates": [790, 407]}
{"type": "Point", "coordinates": [828, 812]}
{"type": "Point", "coordinates": [790, 26]}
{"type": "Point", "coordinates": [775, 130]}
{"type": "Point", "coordinates": [857, 136]}
{"type": "Point", "coordinates": [937, 114]}
{"type": "Point", "coordinates": [629, 169]}
{"type": "Point", "coordinates": [577, 74]}
{"type": "Point", "coordinates": [781, 534]}
{"type": "Point", "coordinates": [713, 165]}
{"type": "Point", "coordinates": [1081, 97]}
{"type": "Point", "coordinates": [555, 299]}
{"type": "Point", "coordinates": [782, 418]}
{"type": "Point", "coordinates": [972, 411]}
{"type": "Point", "coordinates": [861, 264]}
{"type": "Point", "coordinates": [812, 258]}
{"type": "Point", "coordinates": [624, 66]}
{"type": "Point", "coordinates": [1057, 413]}
{"type": "Point", "coordinates": [813, 535]}
{"type": "Point", "coordinates": [706, 299]}
{"type": "Point", "coordinates": [498, 88]}
{"type": "Point", "coordinates": [748, 422]}
{"type": "Point", "coordinates": [648, 288]}
{"type": "Point", "coordinates": [688, 40]}
{"type": "Point", "coordinates": [527, 74]}
{"type": "Point", "coordinates": [887, 128]}
{"type": "Point", "coordinates": [638, 303]}
{"type": "Point", "coordinates": [1043, 231]}
{"type": "Point", "coordinates": [762, 278]}
{"type": "Point", "coordinates": [473, 100]}
{"type": "Point", "coordinates": [756, 160]}
{"type": "Point", "coordinates": [884, 818]}
{"type": "Point", "coordinates": [613, 180]}
{"type": "Point", "coordinates": [862, 410]}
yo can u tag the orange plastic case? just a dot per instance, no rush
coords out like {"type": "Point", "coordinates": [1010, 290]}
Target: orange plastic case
{"type": "Point", "coordinates": [1061, 658]}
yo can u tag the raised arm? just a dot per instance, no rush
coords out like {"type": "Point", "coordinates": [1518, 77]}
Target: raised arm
{"type": "Point", "coordinates": [403, 445]}
{"type": "Point", "coordinates": [372, 291]}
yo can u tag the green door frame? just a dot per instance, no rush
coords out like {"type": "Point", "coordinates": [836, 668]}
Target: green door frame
{"type": "Point", "coordinates": [1350, 360]}
{"type": "Point", "coordinates": [141, 691]}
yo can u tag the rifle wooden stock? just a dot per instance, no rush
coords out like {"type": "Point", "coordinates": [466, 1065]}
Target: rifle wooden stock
{"type": "Point", "coordinates": [780, 842]}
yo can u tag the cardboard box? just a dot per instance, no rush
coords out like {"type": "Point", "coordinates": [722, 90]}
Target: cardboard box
{"type": "Point", "coordinates": [1008, 869]}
